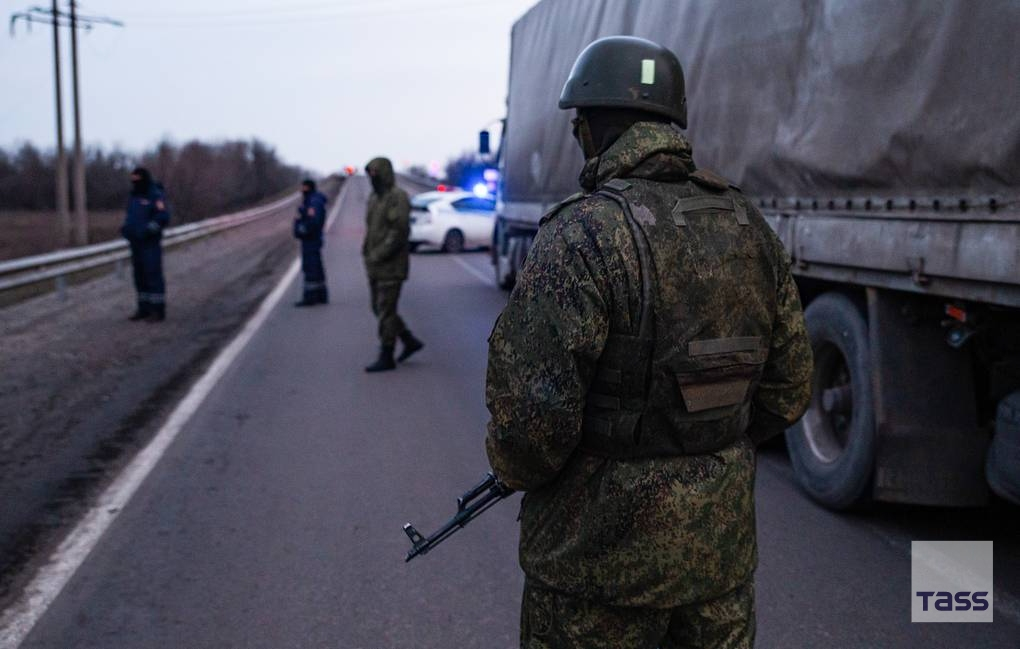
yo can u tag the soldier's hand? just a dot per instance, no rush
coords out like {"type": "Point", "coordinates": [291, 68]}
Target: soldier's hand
{"type": "Point", "coordinates": [153, 227]}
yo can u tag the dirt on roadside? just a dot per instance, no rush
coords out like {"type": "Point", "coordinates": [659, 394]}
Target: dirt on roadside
{"type": "Point", "coordinates": [82, 388]}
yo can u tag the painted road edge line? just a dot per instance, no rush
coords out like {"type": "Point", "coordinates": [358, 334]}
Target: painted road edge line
{"type": "Point", "coordinates": [485, 279]}
{"type": "Point", "coordinates": [19, 620]}
{"type": "Point", "coordinates": [341, 195]}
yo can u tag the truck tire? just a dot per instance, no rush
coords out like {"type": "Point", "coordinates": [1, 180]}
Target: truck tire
{"type": "Point", "coordinates": [506, 273]}
{"type": "Point", "coordinates": [832, 447]}
{"type": "Point", "coordinates": [1003, 463]}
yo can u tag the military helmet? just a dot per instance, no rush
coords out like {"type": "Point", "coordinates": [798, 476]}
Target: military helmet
{"type": "Point", "coordinates": [627, 72]}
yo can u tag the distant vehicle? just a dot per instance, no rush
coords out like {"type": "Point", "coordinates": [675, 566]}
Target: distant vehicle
{"type": "Point", "coordinates": [451, 220]}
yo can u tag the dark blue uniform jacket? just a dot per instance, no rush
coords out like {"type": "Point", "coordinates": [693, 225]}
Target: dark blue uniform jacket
{"type": "Point", "coordinates": [146, 217]}
{"type": "Point", "coordinates": [311, 218]}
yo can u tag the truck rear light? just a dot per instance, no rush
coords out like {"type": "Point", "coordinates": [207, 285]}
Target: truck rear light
{"type": "Point", "coordinates": [956, 313]}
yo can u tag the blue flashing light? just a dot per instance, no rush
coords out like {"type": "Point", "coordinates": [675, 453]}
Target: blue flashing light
{"type": "Point", "coordinates": [490, 175]}
{"type": "Point", "coordinates": [481, 190]}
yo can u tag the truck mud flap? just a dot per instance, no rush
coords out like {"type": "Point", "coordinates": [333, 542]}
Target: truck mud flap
{"type": "Point", "coordinates": [931, 449]}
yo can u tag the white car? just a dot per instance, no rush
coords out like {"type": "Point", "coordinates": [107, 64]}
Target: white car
{"type": "Point", "coordinates": [452, 220]}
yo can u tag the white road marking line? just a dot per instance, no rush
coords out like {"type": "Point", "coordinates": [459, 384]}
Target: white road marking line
{"type": "Point", "coordinates": [19, 620]}
{"type": "Point", "coordinates": [485, 279]}
{"type": "Point", "coordinates": [333, 213]}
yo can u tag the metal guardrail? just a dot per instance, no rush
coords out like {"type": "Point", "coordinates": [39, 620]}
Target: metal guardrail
{"type": "Point", "coordinates": [24, 274]}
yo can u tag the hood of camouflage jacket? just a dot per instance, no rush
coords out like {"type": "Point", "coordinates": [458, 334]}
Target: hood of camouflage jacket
{"type": "Point", "coordinates": [380, 171]}
{"type": "Point", "coordinates": [652, 150]}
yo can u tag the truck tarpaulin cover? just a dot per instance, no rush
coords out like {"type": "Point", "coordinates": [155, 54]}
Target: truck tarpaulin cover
{"type": "Point", "coordinates": [795, 98]}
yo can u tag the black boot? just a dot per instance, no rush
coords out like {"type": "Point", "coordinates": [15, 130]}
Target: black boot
{"type": "Point", "coordinates": [384, 362]}
{"type": "Point", "coordinates": [141, 313]}
{"type": "Point", "coordinates": [158, 313]}
{"type": "Point", "coordinates": [411, 345]}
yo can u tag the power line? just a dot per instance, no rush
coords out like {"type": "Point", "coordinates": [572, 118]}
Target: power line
{"type": "Point", "coordinates": [57, 19]}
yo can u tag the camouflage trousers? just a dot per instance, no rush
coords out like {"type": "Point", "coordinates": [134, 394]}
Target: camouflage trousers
{"type": "Point", "coordinates": [385, 294]}
{"type": "Point", "coordinates": [553, 620]}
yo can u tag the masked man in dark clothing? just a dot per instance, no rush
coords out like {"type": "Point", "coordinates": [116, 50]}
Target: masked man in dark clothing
{"type": "Point", "coordinates": [147, 215]}
{"type": "Point", "coordinates": [385, 251]}
{"type": "Point", "coordinates": [654, 337]}
{"type": "Point", "coordinates": [308, 228]}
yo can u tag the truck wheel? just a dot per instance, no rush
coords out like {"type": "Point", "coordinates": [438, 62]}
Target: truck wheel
{"type": "Point", "coordinates": [506, 274]}
{"type": "Point", "coordinates": [1003, 462]}
{"type": "Point", "coordinates": [453, 241]}
{"type": "Point", "coordinates": [832, 447]}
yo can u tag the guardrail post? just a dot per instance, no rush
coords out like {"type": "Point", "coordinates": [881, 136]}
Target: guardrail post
{"type": "Point", "coordinates": [61, 284]}
{"type": "Point", "coordinates": [118, 269]}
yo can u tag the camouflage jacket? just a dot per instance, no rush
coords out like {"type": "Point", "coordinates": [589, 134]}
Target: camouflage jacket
{"type": "Point", "coordinates": [650, 531]}
{"type": "Point", "coordinates": [388, 223]}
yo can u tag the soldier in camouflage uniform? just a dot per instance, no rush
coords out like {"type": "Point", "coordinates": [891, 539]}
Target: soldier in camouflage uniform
{"type": "Point", "coordinates": [654, 337]}
{"type": "Point", "coordinates": [385, 251]}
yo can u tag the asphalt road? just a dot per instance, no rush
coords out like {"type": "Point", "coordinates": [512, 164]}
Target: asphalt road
{"type": "Point", "coordinates": [274, 520]}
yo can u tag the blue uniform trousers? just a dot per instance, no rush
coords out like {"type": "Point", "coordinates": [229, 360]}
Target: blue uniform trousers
{"type": "Point", "coordinates": [147, 263]}
{"type": "Point", "coordinates": [315, 273]}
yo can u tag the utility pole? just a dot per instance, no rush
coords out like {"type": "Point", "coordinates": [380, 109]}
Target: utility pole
{"type": "Point", "coordinates": [63, 215]}
{"type": "Point", "coordinates": [81, 215]}
{"type": "Point", "coordinates": [59, 19]}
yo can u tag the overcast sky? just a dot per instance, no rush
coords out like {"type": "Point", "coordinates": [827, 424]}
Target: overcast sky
{"type": "Point", "coordinates": [327, 83]}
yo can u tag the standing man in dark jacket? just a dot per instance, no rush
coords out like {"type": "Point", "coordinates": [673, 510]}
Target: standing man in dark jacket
{"type": "Point", "coordinates": [385, 251]}
{"type": "Point", "coordinates": [654, 337]}
{"type": "Point", "coordinates": [147, 215]}
{"type": "Point", "coordinates": [308, 227]}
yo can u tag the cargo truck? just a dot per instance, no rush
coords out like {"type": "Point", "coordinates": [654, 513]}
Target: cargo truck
{"type": "Point", "coordinates": [881, 140]}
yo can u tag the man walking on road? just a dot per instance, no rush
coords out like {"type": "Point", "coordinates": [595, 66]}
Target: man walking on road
{"type": "Point", "coordinates": [308, 228]}
{"type": "Point", "coordinates": [147, 215]}
{"type": "Point", "coordinates": [654, 337]}
{"type": "Point", "coordinates": [385, 251]}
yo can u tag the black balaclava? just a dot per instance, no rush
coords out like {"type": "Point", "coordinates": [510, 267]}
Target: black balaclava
{"type": "Point", "coordinates": [595, 129]}
{"type": "Point", "coordinates": [141, 186]}
{"type": "Point", "coordinates": [307, 186]}
{"type": "Point", "coordinates": [380, 174]}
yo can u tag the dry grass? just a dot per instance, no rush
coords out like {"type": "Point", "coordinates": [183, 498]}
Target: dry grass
{"type": "Point", "coordinates": [33, 233]}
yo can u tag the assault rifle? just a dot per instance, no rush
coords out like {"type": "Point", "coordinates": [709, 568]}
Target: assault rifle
{"type": "Point", "coordinates": [476, 500]}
